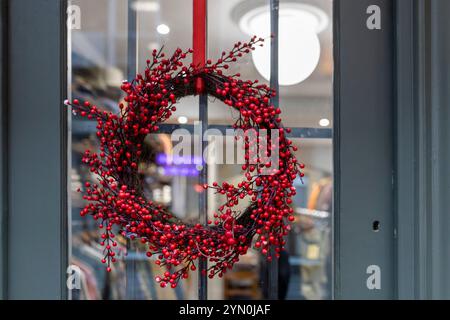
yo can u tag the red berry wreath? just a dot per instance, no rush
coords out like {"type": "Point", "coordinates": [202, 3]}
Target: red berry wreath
{"type": "Point", "coordinates": [118, 197]}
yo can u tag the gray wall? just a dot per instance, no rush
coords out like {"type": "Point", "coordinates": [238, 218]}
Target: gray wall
{"type": "Point", "coordinates": [423, 149]}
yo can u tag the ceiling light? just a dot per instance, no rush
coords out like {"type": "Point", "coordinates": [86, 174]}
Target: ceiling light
{"type": "Point", "coordinates": [163, 29]}
{"type": "Point", "coordinates": [182, 120]}
{"type": "Point", "coordinates": [146, 6]}
{"type": "Point", "coordinates": [324, 122]}
{"type": "Point", "coordinates": [299, 45]}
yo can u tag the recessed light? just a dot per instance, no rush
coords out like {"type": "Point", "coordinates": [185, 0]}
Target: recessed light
{"type": "Point", "coordinates": [148, 6]}
{"type": "Point", "coordinates": [163, 29]}
{"type": "Point", "coordinates": [299, 44]}
{"type": "Point", "coordinates": [182, 120]}
{"type": "Point", "coordinates": [324, 122]}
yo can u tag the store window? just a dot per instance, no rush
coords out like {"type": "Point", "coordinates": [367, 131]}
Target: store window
{"type": "Point", "coordinates": [111, 41]}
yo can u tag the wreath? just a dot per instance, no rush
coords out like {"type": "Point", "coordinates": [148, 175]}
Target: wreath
{"type": "Point", "coordinates": [118, 200]}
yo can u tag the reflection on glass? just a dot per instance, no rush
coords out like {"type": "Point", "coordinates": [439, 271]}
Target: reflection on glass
{"type": "Point", "coordinates": [306, 69]}
{"type": "Point", "coordinates": [97, 69]}
{"type": "Point", "coordinates": [99, 64]}
{"type": "Point", "coordinates": [309, 242]}
{"type": "Point", "coordinates": [305, 267]}
{"type": "Point", "coordinates": [308, 98]}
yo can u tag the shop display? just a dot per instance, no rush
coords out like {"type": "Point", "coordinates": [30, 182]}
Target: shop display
{"type": "Point", "coordinates": [313, 244]}
{"type": "Point", "coordinates": [118, 198]}
{"type": "Point", "coordinates": [243, 281]}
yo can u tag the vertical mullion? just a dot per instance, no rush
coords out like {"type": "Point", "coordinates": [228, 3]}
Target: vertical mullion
{"type": "Point", "coordinates": [203, 197]}
{"type": "Point", "coordinates": [65, 154]}
{"type": "Point", "coordinates": [130, 263]}
{"type": "Point", "coordinates": [132, 41]}
{"type": "Point", "coordinates": [4, 147]}
{"type": "Point", "coordinates": [199, 42]}
{"type": "Point", "coordinates": [200, 33]}
{"type": "Point", "coordinates": [274, 10]}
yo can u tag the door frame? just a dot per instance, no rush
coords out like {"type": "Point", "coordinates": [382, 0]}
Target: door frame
{"type": "Point", "coordinates": [34, 215]}
{"type": "Point", "coordinates": [363, 157]}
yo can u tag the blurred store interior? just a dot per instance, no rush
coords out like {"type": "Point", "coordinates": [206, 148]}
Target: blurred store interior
{"type": "Point", "coordinates": [99, 63]}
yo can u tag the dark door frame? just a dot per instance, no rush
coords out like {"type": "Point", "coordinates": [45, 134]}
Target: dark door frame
{"type": "Point", "coordinates": [364, 154]}
{"type": "Point", "coordinates": [34, 199]}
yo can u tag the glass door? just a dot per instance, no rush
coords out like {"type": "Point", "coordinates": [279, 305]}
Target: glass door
{"type": "Point", "coordinates": [338, 90]}
{"type": "Point", "coordinates": [110, 42]}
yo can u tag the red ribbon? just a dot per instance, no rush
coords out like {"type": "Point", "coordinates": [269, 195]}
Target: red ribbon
{"type": "Point", "coordinates": [199, 40]}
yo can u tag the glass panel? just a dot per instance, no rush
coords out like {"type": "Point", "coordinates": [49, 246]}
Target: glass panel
{"type": "Point", "coordinates": [305, 268]}
{"type": "Point", "coordinates": [305, 50]}
{"type": "Point", "coordinates": [167, 24]}
{"type": "Point", "coordinates": [98, 52]}
{"type": "Point", "coordinates": [172, 183]}
{"type": "Point", "coordinates": [309, 244]}
{"type": "Point", "coordinates": [306, 87]}
{"type": "Point", "coordinates": [99, 64]}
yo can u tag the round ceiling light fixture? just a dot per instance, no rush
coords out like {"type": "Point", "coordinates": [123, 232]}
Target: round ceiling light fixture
{"type": "Point", "coordinates": [299, 45]}
{"type": "Point", "coordinates": [324, 122]}
{"type": "Point", "coordinates": [182, 120]}
{"type": "Point", "coordinates": [163, 29]}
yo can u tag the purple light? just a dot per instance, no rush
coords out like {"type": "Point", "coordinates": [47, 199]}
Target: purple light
{"type": "Point", "coordinates": [180, 171]}
{"type": "Point", "coordinates": [164, 159]}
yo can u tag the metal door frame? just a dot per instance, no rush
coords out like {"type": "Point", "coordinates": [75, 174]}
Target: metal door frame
{"type": "Point", "coordinates": [363, 138]}
{"type": "Point", "coordinates": [34, 204]}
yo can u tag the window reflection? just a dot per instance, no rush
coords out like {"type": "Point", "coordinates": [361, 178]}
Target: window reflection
{"type": "Point", "coordinates": [99, 64]}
